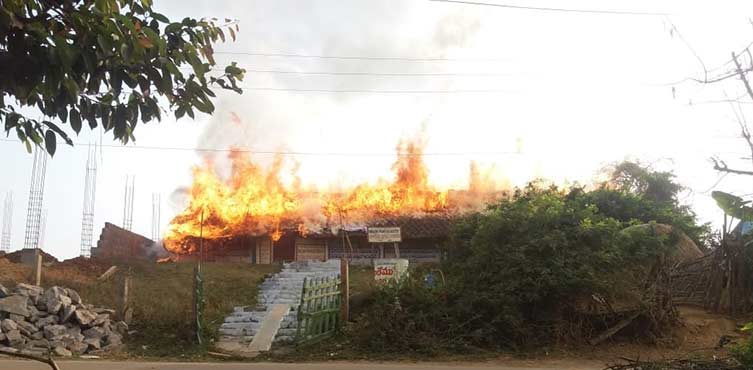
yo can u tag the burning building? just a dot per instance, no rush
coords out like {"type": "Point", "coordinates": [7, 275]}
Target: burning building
{"type": "Point", "coordinates": [252, 215]}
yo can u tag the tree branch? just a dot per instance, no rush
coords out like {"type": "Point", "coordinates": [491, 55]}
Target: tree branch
{"type": "Point", "coordinates": [12, 352]}
{"type": "Point", "coordinates": [719, 165]}
{"type": "Point", "coordinates": [742, 75]}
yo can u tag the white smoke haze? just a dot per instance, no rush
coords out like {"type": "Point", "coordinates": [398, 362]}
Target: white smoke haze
{"type": "Point", "coordinates": [332, 122]}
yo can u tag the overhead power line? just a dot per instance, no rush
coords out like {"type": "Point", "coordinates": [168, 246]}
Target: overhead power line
{"type": "Point", "coordinates": [360, 91]}
{"type": "Point", "coordinates": [278, 152]}
{"type": "Point", "coordinates": [390, 74]}
{"type": "Point", "coordinates": [354, 57]}
{"type": "Point", "coordinates": [550, 9]}
{"type": "Point", "coordinates": [481, 74]}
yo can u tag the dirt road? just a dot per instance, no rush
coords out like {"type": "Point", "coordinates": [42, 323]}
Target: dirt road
{"type": "Point", "coordinates": [99, 365]}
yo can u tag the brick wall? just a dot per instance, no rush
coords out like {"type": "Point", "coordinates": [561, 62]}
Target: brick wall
{"type": "Point", "coordinates": [116, 243]}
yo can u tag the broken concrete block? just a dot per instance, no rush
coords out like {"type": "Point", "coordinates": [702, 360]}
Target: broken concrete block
{"type": "Point", "coordinates": [15, 304]}
{"type": "Point", "coordinates": [46, 321]}
{"type": "Point", "coordinates": [95, 333]}
{"type": "Point", "coordinates": [104, 311]}
{"type": "Point", "coordinates": [75, 297]}
{"type": "Point", "coordinates": [54, 331]}
{"type": "Point", "coordinates": [55, 292]}
{"type": "Point", "coordinates": [26, 327]}
{"type": "Point", "coordinates": [67, 313]}
{"type": "Point", "coordinates": [14, 338]}
{"type": "Point", "coordinates": [84, 317]}
{"type": "Point", "coordinates": [113, 339]}
{"type": "Point", "coordinates": [62, 352]}
{"type": "Point", "coordinates": [8, 325]}
{"type": "Point", "coordinates": [101, 319]}
{"type": "Point", "coordinates": [33, 313]}
{"type": "Point", "coordinates": [31, 291]}
{"type": "Point", "coordinates": [53, 305]}
{"type": "Point", "coordinates": [93, 343]}
{"type": "Point", "coordinates": [78, 347]}
{"type": "Point", "coordinates": [39, 343]}
{"type": "Point", "coordinates": [38, 335]}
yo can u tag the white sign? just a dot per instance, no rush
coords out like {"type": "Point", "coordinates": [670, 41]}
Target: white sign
{"type": "Point", "coordinates": [386, 269]}
{"type": "Point", "coordinates": [384, 234]}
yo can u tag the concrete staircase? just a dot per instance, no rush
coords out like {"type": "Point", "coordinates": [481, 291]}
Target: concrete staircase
{"type": "Point", "coordinates": [283, 288]}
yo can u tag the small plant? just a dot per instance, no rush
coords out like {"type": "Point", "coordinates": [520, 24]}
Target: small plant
{"type": "Point", "coordinates": [743, 353]}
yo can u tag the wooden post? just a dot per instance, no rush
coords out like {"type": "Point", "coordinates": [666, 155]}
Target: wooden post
{"type": "Point", "coordinates": [197, 284]}
{"type": "Point", "coordinates": [37, 268]}
{"type": "Point", "coordinates": [345, 291]}
{"type": "Point", "coordinates": [127, 309]}
{"type": "Point", "coordinates": [397, 250]}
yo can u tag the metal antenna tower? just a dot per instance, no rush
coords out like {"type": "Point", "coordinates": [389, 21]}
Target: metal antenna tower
{"type": "Point", "coordinates": [128, 204]}
{"type": "Point", "coordinates": [36, 195]}
{"type": "Point", "coordinates": [7, 222]}
{"type": "Point", "coordinates": [90, 190]}
{"type": "Point", "coordinates": [156, 215]}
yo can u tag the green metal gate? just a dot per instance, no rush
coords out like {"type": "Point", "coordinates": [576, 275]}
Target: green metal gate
{"type": "Point", "coordinates": [319, 311]}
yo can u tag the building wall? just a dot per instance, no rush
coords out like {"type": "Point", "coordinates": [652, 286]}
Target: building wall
{"type": "Point", "coordinates": [263, 251]}
{"type": "Point", "coordinates": [310, 249]}
{"type": "Point", "coordinates": [116, 243]}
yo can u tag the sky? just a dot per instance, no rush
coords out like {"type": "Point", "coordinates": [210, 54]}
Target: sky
{"type": "Point", "coordinates": [525, 93]}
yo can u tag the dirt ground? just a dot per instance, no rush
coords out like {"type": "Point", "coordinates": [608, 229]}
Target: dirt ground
{"type": "Point", "coordinates": [76, 271]}
{"type": "Point", "coordinates": [699, 334]}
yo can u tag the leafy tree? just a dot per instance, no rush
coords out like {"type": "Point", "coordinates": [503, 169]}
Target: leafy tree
{"type": "Point", "coordinates": [637, 192]}
{"type": "Point", "coordinates": [639, 179]}
{"type": "Point", "coordinates": [108, 62]}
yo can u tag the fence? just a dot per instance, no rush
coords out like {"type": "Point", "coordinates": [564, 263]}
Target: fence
{"type": "Point", "coordinates": [319, 312]}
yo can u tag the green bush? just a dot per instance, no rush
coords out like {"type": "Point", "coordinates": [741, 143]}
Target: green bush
{"type": "Point", "coordinates": [521, 266]}
{"type": "Point", "coordinates": [743, 353]}
{"type": "Point", "coordinates": [409, 317]}
{"type": "Point", "coordinates": [520, 273]}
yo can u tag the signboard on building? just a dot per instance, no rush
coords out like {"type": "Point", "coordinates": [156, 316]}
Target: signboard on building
{"type": "Point", "coordinates": [384, 234]}
{"type": "Point", "coordinates": [310, 250]}
{"type": "Point", "coordinates": [387, 269]}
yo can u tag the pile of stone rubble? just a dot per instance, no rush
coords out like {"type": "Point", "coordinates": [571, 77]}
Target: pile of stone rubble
{"type": "Point", "coordinates": [56, 320]}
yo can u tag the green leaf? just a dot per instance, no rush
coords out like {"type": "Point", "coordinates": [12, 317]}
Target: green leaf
{"type": "Point", "coordinates": [160, 17]}
{"type": "Point", "coordinates": [50, 142]}
{"type": "Point", "coordinates": [747, 327]}
{"type": "Point", "coordinates": [58, 131]}
{"type": "Point", "coordinates": [125, 51]}
{"type": "Point", "coordinates": [733, 205]}
{"type": "Point", "coordinates": [75, 121]}
{"type": "Point", "coordinates": [232, 33]}
{"type": "Point", "coordinates": [180, 112]}
{"type": "Point", "coordinates": [63, 112]}
{"type": "Point", "coordinates": [104, 43]}
{"type": "Point", "coordinates": [11, 120]}
{"type": "Point", "coordinates": [173, 27]}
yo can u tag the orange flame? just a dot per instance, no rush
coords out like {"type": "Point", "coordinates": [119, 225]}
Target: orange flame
{"type": "Point", "coordinates": [255, 201]}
